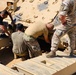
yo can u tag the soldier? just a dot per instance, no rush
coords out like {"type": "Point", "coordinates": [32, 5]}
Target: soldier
{"type": "Point", "coordinates": [19, 44]}
{"type": "Point", "coordinates": [3, 28]}
{"type": "Point", "coordinates": [67, 16]}
{"type": "Point", "coordinates": [11, 5]}
{"type": "Point", "coordinates": [33, 32]}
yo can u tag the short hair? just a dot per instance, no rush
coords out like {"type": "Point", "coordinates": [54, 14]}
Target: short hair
{"type": "Point", "coordinates": [19, 26]}
{"type": "Point", "coordinates": [5, 12]}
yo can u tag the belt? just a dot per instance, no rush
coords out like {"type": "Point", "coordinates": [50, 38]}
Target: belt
{"type": "Point", "coordinates": [29, 36]}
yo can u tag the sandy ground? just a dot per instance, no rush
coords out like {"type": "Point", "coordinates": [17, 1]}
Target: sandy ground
{"type": "Point", "coordinates": [2, 4]}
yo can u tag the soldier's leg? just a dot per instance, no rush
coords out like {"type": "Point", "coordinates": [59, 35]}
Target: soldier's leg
{"type": "Point", "coordinates": [72, 41]}
{"type": "Point", "coordinates": [34, 47]}
{"type": "Point", "coordinates": [56, 39]}
{"type": "Point", "coordinates": [55, 42]}
{"type": "Point", "coordinates": [75, 43]}
{"type": "Point", "coordinates": [75, 36]}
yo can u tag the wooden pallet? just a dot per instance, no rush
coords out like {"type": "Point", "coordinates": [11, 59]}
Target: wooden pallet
{"type": "Point", "coordinates": [60, 65]}
{"type": "Point", "coordinates": [7, 71]}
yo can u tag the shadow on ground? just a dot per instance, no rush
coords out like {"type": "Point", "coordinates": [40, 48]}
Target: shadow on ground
{"type": "Point", "coordinates": [44, 46]}
{"type": "Point", "coordinates": [6, 55]}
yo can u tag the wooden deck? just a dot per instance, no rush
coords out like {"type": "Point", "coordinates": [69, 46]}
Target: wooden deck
{"type": "Point", "coordinates": [7, 71]}
{"type": "Point", "coordinates": [60, 65]}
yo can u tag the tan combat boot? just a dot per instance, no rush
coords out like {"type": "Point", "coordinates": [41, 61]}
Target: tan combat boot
{"type": "Point", "coordinates": [51, 54]}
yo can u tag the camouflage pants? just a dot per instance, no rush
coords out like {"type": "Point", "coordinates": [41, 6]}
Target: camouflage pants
{"type": "Point", "coordinates": [33, 46]}
{"type": "Point", "coordinates": [62, 30]}
{"type": "Point", "coordinates": [75, 37]}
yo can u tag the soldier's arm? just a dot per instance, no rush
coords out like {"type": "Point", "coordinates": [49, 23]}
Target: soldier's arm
{"type": "Point", "coordinates": [11, 18]}
{"type": "Point", "coordinates": [63, 19]}
{"type": "Point", "coordinates": [64, 11]}
{"type": "Point", "coordinates": [46, 39]}
{"type": "Point", "coordinates": [5, 30]}
{"type": "Point", "coordinates": [46, 36]}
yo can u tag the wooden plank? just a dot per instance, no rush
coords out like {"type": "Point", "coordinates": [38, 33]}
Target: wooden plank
{"type": "Point", "coordinates": [45, 62]}
{"type": "Point", "coordinates": [2, 74]}
{"type": "Point", "coordinates": [55, 63]}
{"type": "Point", "coordinates": [61, 65]}
{"type": "Point", "coordinates": [7, 71]}
{"type": "Point", "coordinates": [34, 68]}
{"type": "Point", "coordinates": [71, 69]}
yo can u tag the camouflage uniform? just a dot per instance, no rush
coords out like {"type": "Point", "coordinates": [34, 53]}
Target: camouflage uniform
{"type": "Point", "coordinates": [32, 33]}
{"type": "Point", "coordinates": [33, 46]}
{"type": "Point", "coordinates": [68, 9]}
